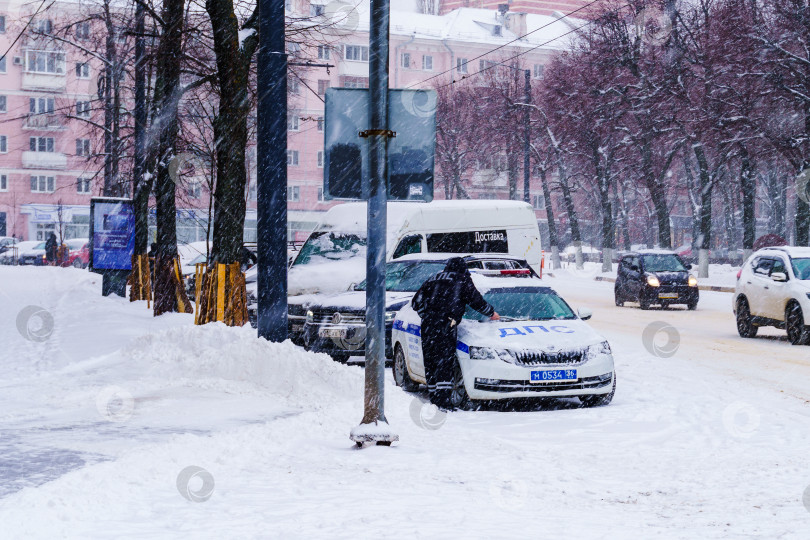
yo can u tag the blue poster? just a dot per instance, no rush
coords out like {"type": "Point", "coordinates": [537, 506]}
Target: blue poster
{"type": "Point", "coordinates": [112, 222]}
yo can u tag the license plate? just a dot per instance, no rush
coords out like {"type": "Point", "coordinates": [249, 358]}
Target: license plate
{"type": "Point", "coordinates": [554, 375]}
{"type": "Point", "coordinates": [298, 328]}
{"type": "Point", "coordinates": [332, 332]}
{"type": "Point", "coordinates": [667, 295]}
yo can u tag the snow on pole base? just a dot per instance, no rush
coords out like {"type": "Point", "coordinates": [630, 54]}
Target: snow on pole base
{"type": "Point", "coordinates": [378, 432]}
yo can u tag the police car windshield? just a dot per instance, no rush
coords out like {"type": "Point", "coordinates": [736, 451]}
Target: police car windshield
{"type": "Point", "coordinates": [662, 263]}
{"type": "Point", "coordinates": [329, 246]}
{"type": "Point", "coordinates": [525, 304]}
{"type": "Point", "coordinates": [407, 276]}
{"type": "Point", "coordinates": [801, 267]}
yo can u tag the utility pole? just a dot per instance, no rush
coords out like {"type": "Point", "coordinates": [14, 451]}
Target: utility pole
{"type": "Point", "coordinates": [374, 426]}
{"type": "Point", "coordinates": [527, 87]}
{"type": "Point", "coordinates": [271, 174]}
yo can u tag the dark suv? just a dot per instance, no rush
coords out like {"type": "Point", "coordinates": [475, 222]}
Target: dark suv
{"type": "Point", "coordinates": [655, 277]}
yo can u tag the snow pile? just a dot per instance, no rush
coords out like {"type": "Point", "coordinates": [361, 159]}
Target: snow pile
{"type": "Point", "coordinates": [214, 353]}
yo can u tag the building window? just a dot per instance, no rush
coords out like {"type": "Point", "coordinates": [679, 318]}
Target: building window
{"type": "Point", "coordinates": [3, 64]}
{"type": "Point", "coordinates": [427, 63]}
{"type": "Point", "coordinates": [42, 26]}
{"type": "Point", "coordinates": [323, 52]}
{"type": "Point", "coordinates": [485, 64]}
{"type": "Point", "coordinates": [461, 65]}
{"type": "Point", "coordinates": [3, 182]}
{"type": "Point", "coordinates": [3, 104]}
{"type": "Point", "coordinates": [537, 71]}
{"type": "Point", "coordinates": [406, 60]}
{"type": "Point", "coordinates": [40, 105]}
{"type": "Point", "coordinates": [82, 70]}
{"type": "Point", "coordinates": [82, 147]}
{"type": "Point", "coordinates": [83, 109]}
{"type": "Point", "coordinates": [355, 82]}
{"type": "Point", "coordinates": [2, 24]}
{"type": "Point", "coordinates": [356, 53]}
{"type": "Point", "coordinates": [323, 84]}
{"type": "Point", "coordinates": [3, 144]}
{"type": "Point", "coordinates": [40, 144]}
{"type": "Point", "coordinates": [320, 194]}
{"type": "Point", "coordinates": [45, 62]}
{"type": "Point", "coordinates": [193, 189]}
{"type": "Point", "coordinates": [320, 158]}
{"type": "Point", "coordinates": [293, 193]}
{"type": "Point", "coordinates": [320, 123]}
{"type": "Point", "coordinates": [538, 202]}
{"type": "Point", "coordinates": [293, 86]}
{"type": "Point", "coordinates": [316, 10]}
{"type": "Point", "coordinates": [292, 122]}
{"type": "Point", "coordinates": [292, 157]}
{"type": "Point", "coordinates": [83, 30]}
{"type": "Point", "coordinates": [83, 185]}
{"type": "Point", "coordinates": [42, 184]}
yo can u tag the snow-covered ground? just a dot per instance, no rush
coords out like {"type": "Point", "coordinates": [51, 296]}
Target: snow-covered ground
{"type": "Point", "coordinates": [115, 424]}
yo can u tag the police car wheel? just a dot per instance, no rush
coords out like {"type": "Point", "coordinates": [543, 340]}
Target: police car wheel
{"type": "Point", "coordinates": [599, 400]}
{"type": "Point", "coordinates": [459, 397]}
{"type": "Point", "coordinates": [400, 370]}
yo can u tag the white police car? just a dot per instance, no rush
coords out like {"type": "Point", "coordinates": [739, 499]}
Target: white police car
{"type": "Point", "coordinates": [539, 348]}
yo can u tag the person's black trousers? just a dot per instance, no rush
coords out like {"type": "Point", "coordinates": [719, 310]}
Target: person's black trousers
{"type": "Point", "coordinates": [439, 353]}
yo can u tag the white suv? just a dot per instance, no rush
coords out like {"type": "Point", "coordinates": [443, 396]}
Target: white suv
{"type": "Point", "coordinates": [773, 289]}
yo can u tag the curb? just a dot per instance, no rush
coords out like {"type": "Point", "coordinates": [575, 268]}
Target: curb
{"type": "Point", "coordinates": [713, 288]}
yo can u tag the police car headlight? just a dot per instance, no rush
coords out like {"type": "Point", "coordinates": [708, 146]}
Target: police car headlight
{"type": "Point", "coordinates": [692, 281]}
{"type": "Point", "coordinates": [310, 316]}
{"type": "Point", "coordinates": [598, 349]}
{"type": "Point", "coordinates": [389, 316]}
{"type": "Point", "coordinates": [652, 281]}
{"type": "Point", "coordinates": [482, 353]}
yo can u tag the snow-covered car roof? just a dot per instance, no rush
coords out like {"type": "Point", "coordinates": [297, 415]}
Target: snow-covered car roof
{"type": "Point", "coordinates": [651, 252]}
{"type": "Point", "coordinates": [485, 282]}
{"type": "Point", "coordinates": [793, 251]}
{"type": "Point", "coordinates": [447, 256]}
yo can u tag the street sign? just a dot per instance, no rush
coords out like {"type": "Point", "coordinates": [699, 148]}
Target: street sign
{"type": "Point", "coordinates": [411, 115]}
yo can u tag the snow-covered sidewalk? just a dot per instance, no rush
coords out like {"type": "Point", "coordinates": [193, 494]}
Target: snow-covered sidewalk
{"type": "Point", "coordinates": [119, 425]}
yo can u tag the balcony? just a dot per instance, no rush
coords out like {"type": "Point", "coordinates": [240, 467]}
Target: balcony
{"type": "Point", "coordinates": [44, 160]}
{"type": "Point", "coordinates": [43, 82]}
{"type": "Point", "coordinates": [43, 122]}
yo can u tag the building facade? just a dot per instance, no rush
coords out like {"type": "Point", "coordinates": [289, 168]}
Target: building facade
{"type": "Point", "coordinates": [49, 105]}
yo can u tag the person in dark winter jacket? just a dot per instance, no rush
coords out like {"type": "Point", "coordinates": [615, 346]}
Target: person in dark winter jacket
{"type": "Point", "coordinates": [441, 302]}
{"type": "Point", "coordinates": [51, 247]}
{"type": "Point", "coordinates": [247, 258]}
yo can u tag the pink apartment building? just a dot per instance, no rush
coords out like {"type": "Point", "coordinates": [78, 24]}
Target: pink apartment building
{"type": "Point", "coordinates": [46, 177]}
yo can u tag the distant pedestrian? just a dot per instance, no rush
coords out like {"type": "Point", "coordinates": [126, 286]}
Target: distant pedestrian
{"type": "Point", "coordinates": [152, 254]}
{"type": "Point", "coordinates": [441, 302]}
{"type": "Point", "coordinates": [247, 258]}
{"type": "Point", "coordinates": [51, 247]}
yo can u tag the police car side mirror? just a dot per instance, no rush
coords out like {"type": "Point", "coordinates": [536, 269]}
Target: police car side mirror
{"type": "Point", "coordinates": [584, 313]}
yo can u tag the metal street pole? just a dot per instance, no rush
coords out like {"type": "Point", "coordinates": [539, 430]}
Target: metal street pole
{"type": "Point", "coordinates": [374, 426]}
{"type": "Point", "coordinates": [527, 135]}
{"type": "Point", "coordinates": [271, 181]}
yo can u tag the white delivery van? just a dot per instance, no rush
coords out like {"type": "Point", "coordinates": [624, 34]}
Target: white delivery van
{"type": "Point", "coordinates": [334, 255]}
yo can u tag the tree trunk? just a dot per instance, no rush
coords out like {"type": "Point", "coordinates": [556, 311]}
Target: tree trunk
{"type": "Point", "coordinates": [658, 195]}
{"type": "Point", "coordinates": [748, 186]}
{"type": "Point", "coordinates": [706, 185]}
{"type": "Point", "coordinates": [169, 294]}
{"type": "Point", "coordinates": [553, 237]}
